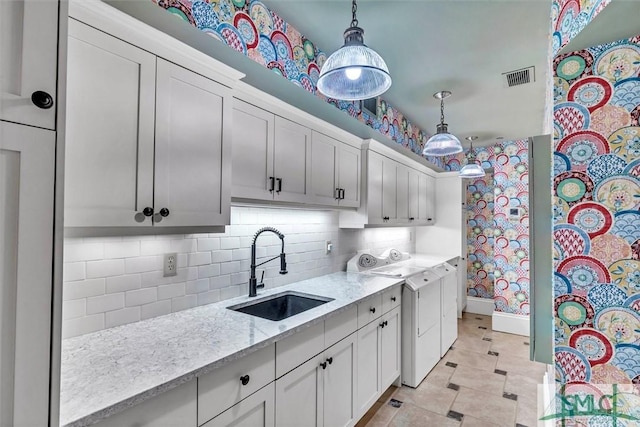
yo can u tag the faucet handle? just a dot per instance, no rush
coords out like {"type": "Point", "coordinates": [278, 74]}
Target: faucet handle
{"type": "Point", "coordinates": [261, 284]}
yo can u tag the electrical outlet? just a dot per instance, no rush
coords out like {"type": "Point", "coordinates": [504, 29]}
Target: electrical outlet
{"type": "Point", "coordinates": [328, 246]}
{"type": "Point", "coordinates": [170, 264]}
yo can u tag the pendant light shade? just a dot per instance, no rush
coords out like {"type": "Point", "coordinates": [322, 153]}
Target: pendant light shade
{"type": "Point", "coordinates": [472, 169]}
{"type": "Point", "coordinates": [442, 143]}
{"type": "Point", "coordinates": [354, 71]}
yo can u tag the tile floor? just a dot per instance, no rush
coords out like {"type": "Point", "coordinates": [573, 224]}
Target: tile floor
{"type": "Point", "coordinates": [485, 380]}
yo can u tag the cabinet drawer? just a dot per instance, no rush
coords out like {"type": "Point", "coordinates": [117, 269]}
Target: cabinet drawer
{"type": "Point", "coordinates": [223, 388]}
{"type": "Point", "coordinates": [369, 310]}
{"type": "Point", "coordinates": [340, 326]}
{"type": "Point", "coordinates": [298, 348]}
{"type": "Point", "coordinates": [391, 298]}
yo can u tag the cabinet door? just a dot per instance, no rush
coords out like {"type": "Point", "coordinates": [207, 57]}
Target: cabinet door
{"type": "Point", "coordinates": [402, 193]}
{"type": "Point", "coordinates": [349, 170]}
{"type": "Point", "coordinates": [176, 407]}
{"type": "Point", "coordinates": [292, 160]}
{"type": "Point", "coordinates": [423, 197]}
{"type": "Point", "coordinates": [369, 384]}
{"type": "Point", "coordinates": [28, 60]}
{"type": "Point", "coordinates": [252, 164]}
{"type": "Point", "coordinates": [256, 410]}
{"type": "Point", "coordinates": [299, 395]}
{"type": "Point", "coordinates": [109, 130]}
{"type": "Point", "coordinates": [375, 164]}
{"type": "Point", "coordinates": [389, 189]}
{"type": "Point", "coordinates": [324, 186]}
{"type": "Point", "coordinates": [27, 159]}
{"type": "Point", "coordinates": [192, 168]}
{"type": "Point", "coordinates": [431, 199]}
{"type": "Point", "coordinates": [414, 196]}
{"type": "Point", "coordinates": [390, 348]}
{"type": "Point", "coordinates": [340, 383]}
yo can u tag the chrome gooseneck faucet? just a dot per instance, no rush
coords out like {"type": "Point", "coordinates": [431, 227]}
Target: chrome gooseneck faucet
{"type": "Point", "coordinates": [253, 282]}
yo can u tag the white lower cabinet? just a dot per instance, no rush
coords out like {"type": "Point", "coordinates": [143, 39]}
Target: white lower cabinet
{"type": "Point", "coordinates": [256, 410]}
{"type": "Point", "coordinates": [390, 348]}
{"type": "Point", "coordinates": [176, 407]}
{"type": "Point", "coordinates": [321, 391]}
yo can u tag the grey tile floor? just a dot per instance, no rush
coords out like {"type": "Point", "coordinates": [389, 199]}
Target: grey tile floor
{"type": "Point", "coordinates": [485, 379]}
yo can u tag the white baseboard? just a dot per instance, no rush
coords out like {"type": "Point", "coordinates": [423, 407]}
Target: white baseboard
{"type": "Point", "coordinates": [510, 323]}
{"type": "Point", "coordinates": [480, 306]}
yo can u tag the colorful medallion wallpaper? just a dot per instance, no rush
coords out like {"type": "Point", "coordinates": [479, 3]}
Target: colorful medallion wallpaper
{"type": "Point", "coordinates": [480, 259]}
{"type": "Point", "coordinates": [596, 186]}
{"type": "Point", "coordinates": [569, 17]}
{"type": "Point", "coordinates": [510, 234]}
{"type": "Point", "coordinates": [252, 29]}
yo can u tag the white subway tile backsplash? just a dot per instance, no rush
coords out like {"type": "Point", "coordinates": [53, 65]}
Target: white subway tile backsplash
{"type": "Point", "coordinates": [173, 290]}
{"type": "Point", "coordinates": [83, 252]}
{"type": "Point", "coordinates": [74, 271]}
{"type": "Point", "coordinates": [122, 317]}
{"type": "Point", "coordinates": [141, 296]}
{"type": "Point", "coordinates": [124, 249]}
{"type": "Point", "coordinates": [104, 303]}
{"type": "Point", "coordinates": [74, 308]}
{"type": "Point", "coordinates": [199, 258]}
{"type": "Point", "coordinates": [143, 264]}
{"type": "Point", "coordinates": [83, 289]}
{"type": "Point", "coordinates": [99, 272]}
{"type": "Point", "coordinates": [155, 309]}
{"type": "Point", "coordinates": [123, 283]}
{"type": "Point", "coordinates": [105, 268]}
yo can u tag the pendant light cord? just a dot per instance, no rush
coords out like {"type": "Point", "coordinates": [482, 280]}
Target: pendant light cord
{"type": "Point", "coordinates": [442, 111]}
{"type": "Point", "coordinates": [354, 9]}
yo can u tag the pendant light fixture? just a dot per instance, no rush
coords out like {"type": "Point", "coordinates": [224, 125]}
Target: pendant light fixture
{"type": "Point", "coordinates": [442, 143]}
{"type": "Point", "coordinates": [472, 169]}
{"type": "Point", "coordinates": [354, 71]}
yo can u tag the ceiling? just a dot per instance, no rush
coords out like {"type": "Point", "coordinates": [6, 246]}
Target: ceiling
{"type": "Point", "coordinates": [429, 45]}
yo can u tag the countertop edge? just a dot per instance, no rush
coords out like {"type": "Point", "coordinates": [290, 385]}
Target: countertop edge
{"type": "Point", "coordinates": [139, 398]}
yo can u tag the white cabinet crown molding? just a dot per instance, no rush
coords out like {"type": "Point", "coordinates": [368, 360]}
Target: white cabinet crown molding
{"type": "Point", "coordinates": [389, 152]}
{"type": "Point", "coordinates": [112, 21]}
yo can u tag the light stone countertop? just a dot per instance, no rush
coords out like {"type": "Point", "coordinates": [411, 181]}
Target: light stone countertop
{"type": "Point", "coordinates": [105, 372]}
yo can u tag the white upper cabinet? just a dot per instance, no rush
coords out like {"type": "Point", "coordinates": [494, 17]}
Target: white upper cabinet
{"type": "Point", "coordinates": [146, 147]}
{"type": "Point", "coordinates": [335, 172]}
{"type": "Point", "coordinates": [110, 134]}
{"type": "Point", "coordinates": [191, 161]}
{"type": "Point", "coordinates": [402, 193]}
{"type": "Point", "coordinates": [292, 161]}
{"type": "Point", "coordinates": [414, 194]}
{"type": "Point", "coordinates": [427, 210]}
{"type": "Point", "coordinates": [28, 61]}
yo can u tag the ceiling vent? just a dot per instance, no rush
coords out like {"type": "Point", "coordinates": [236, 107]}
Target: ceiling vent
{"type": "Point", "coordinates": [519, 77]}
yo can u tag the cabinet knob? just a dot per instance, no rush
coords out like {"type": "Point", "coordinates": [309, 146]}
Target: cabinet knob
{"type": "Point", "coordinates": [411, 219]}
{"type": "Point", "coordinates": [324, 365]}
{"type": "Point", "coordinates": [372, 309]}
{"type": "Point", "coordinates": [164, 212]}
{"type": "Point", "coordinates": [381, 324]}
{"type": "Point", "coordinates": [386, 322]}
{"type": "Point", "coordinates": [244, 379]}
{"type": "Point", "coordinates": [42, 99]}
{"type": "Point", "coordinates": [330, 360]}
{"type": "Point", "coordinates": [147, 211]}
{"type": "Point", "coordinates": [393, 299]}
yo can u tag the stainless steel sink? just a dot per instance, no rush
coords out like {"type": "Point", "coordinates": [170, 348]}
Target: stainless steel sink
{"type": "Point", "coordinates": [281, 306]}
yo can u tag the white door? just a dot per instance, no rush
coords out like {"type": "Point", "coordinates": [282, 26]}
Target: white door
{"type": "Point", "coordinates": [369, 384]}
{"type": "Point", "coordinates": [192, 171]}
{"type": "Point", "coordinates": [256, 410]}
{"type": "Point", "coordinates": [389, 190]}
{"type": "Point", "coordinates": [28, 60]}
{"type": "Point", "coordinates": [340, 383]}
{"type": "Point", "coordinates": [252, 165]}
{"type": "Point", "coordinates": [292, 159]}
{"type": "Point", "coordinates": [324, 186]}
{"type": "Point", "coordinates": [349, 169]}
{"type": "Point", "coordinates": [414, 196]}
{"type": "Point", "coordinates": [375, 164]}
{"type": "Point", "coordinates": [109, 130]}
{"type": "Point", "coordinates": [299, 395]}
{"type": "Point", "coordinates": [402, 193]}
{"type": "Point", "coordinates": [27, 161]}
{"type": "Point", "coordinates": [390, 348]}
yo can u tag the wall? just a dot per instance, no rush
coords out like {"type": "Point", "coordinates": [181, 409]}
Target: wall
{"type": "Point", "coordinates": [596, 214]}
{"type": "Point", "coordinates": [569, 17]}
{"type": "Point", "coordinates": [118, 280]}
{"type": "Point", "coordinates": [509, 160]}
{"type": "Point", "coordinates": [480, 256]}
{"type": "Point", "coordinates": [252, 29]}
